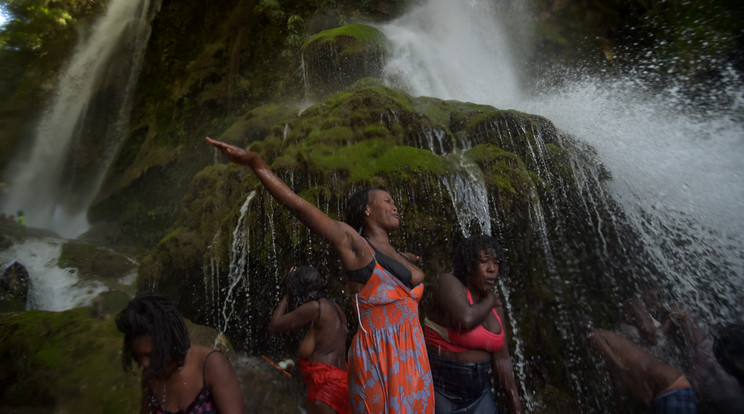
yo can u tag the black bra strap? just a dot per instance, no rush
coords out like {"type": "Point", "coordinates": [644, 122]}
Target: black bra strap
{"type": "Point", "coordinates": [204, 367]}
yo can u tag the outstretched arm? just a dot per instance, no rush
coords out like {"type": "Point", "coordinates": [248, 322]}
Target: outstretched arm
{"type": "Point", "coordinates": [503, 371]}
{"type": "Point", "coordinates": [346, 241]}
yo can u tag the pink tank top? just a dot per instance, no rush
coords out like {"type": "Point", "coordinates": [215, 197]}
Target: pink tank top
{"type": "Point", "coordinates": [453, 340]}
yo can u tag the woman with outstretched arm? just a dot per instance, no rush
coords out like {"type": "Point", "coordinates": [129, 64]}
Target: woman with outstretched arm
{"type": "Point", "coordinates": [388, 364]}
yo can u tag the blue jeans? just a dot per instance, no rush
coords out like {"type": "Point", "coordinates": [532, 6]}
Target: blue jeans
{"type": "Point", "coordinates": [461, 387]}
{"type": "Point", "coordinates": [680, 401]}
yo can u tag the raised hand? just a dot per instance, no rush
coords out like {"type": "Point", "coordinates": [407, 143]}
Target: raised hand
{"type": "Point", "coordinates": [233, 153]}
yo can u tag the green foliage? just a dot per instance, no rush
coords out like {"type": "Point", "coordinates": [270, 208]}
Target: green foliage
{"type": "Point", "coordinates": [32, 24]}
{"type": "Point", "coordinates": [34, 43]}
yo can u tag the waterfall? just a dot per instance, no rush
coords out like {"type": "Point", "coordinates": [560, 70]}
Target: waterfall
{"type": "Point", "coordinates": [677, 169]}
{"type": "Point", "coordinates": [81, 130]}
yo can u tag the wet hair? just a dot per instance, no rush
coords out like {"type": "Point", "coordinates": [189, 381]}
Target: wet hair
{"type": "Point", "coordinates": [155, 315]}
{"type": "Point", "coordinates": [304, 284]}
{"type": "Point", "coordinates": [729, 349]}
{"type": "Point", "coordinates": [467, 255]}
{"type": "Point", "coordinates": [355, 208]}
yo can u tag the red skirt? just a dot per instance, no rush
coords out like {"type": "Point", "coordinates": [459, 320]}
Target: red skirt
{"type": "Point", "coordinates": [327, 384]}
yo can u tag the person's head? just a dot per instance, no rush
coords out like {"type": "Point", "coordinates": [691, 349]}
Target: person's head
{"type": "Point", "coordinates": [729, 350]}
{"type": "Point", "coordinates": [478, 260]}
{"type": "Point", "coordinates": [155, 333]}
{"type": "Point", "coordinates": [372, 204]}
{"type": "Point", "coordinates": [304, 284]}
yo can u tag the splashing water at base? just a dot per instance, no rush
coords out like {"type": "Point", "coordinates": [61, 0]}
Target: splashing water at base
{"type": "Point", "coordinates": [52, 288]}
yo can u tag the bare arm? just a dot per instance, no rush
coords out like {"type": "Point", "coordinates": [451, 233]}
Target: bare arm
{"type": "Point", "coordinates": [454, 309]}
{"type": "Point", "coordinates": [346, 241]}
{"type": "Point", "coordinates": [503, 371]}
{"type": "Point", "coordinates": [283, 322]}
{"type": "Point", "coordinates": [223, 384]}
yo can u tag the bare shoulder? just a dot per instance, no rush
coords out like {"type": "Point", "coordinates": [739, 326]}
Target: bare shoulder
{"type": "Point", "coordinates": [209, 357]}
{"type": "Point", "coordinates": [447, 281]}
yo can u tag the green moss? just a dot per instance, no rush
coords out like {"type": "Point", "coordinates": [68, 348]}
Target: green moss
{"type": "Point", "coordinates": [504, 169]}
{"type": "Point", "coordinates": [68, 360]}
{"type": "Point", "coordinates": [373, 157]}
{"type": "Point", "coordinates": [333, 135]}
{"type": "Point", "coordinates": [94, 261]}
{"type": "Point", "coordinates": [362, 33]}
{"type": "Point", "coordinates": [435, 109]}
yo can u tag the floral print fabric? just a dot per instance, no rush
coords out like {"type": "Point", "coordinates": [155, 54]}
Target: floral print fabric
{"type": "Point", "coordinates": [388, 364]}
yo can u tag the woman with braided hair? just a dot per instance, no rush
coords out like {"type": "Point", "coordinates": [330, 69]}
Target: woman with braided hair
{"type": "Point", "coordinates": [177, 377]}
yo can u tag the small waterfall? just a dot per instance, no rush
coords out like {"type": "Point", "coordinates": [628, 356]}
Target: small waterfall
{"type": "Point", "coordinates": [467, 191]}
{"type": "Point", "coordinates": [81, 131]}
{"type": "Point", "coordinates": [238, 281]}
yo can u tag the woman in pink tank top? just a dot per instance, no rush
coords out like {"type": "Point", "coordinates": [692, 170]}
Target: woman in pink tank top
{"type": "Point", "coordinates": [464, 333]}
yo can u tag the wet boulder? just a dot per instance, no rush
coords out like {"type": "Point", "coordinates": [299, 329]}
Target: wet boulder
{"type": "Point", "coordinates": [15, 285]}
{"type": "Point", "coordinates": [336, 58]}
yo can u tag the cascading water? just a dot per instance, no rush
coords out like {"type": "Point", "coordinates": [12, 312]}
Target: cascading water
{"type": "Point", "coordinates": [677, 171]}
{"type": "Point", "coordinates": [469, 196]}
{"type": "Point", "coordinates": [222, 299]}
{"type": "Point", "coordinates": [81, 131]}
{"type": "Point", "coordinates": [676, 168]}
{"type": "Point", "coordinates": [52, 288]}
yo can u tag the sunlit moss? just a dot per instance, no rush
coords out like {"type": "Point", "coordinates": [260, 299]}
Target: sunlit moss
{"type": "Point", "coordinates": [360, 32]}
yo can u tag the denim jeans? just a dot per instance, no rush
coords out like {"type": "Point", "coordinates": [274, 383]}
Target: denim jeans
{"type": "Point", "coordinates": [462, 387]}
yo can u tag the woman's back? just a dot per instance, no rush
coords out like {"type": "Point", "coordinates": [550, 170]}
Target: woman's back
{"type": "Point", "coordinates": [325, 340]}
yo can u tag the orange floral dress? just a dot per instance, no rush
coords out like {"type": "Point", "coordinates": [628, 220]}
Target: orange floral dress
{"type": "Point", "coordinates": [388, 365]}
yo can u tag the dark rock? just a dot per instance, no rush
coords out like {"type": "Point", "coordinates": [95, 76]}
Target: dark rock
{"type": "Point", "coordinates": [15, 285]}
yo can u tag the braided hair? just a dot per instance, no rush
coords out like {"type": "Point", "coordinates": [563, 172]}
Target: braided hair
{"type": "Point", "coordinates": [467, 255]}
{"type": "Point", "coordinates": [155, 315]}
{"type": "Point", "coordinates": [355, 209]}
{"type": "Point", "coordinates": [303, 285]}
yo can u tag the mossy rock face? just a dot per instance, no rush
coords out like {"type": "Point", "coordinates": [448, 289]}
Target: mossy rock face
{"type": "Point", "coordinates": [71, 362]}
{"type": "Point", "coordinates": [259, 123]}
{"type": "Point", "coordinates": [336, 58]}
{"type": "Point", "coordinates": [95, 262]}
{"type": "Point", "coordinates": [64, 362]}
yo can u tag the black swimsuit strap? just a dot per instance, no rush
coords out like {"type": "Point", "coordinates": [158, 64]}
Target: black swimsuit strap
{"type": "Point", "coordinates": [395, 267]}
{"type": "Point", "coordinates": [335, 307]}
{"type": "Point", "coordinates": [204, 368]}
